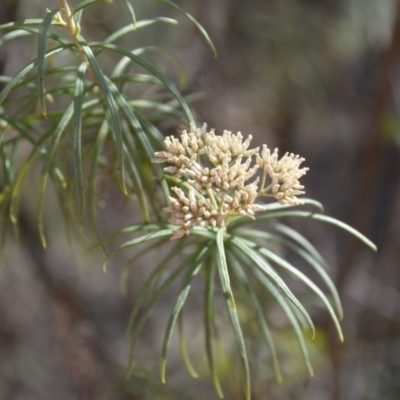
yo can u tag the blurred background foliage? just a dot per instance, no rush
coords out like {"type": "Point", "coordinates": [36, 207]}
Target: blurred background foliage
{"type": "Point", "coordinates": [317, 78]}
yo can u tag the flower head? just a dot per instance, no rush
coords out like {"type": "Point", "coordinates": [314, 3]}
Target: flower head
{"type": "Point", "coordinates": [218, 172]}
{"type": "Point", "coordinates": [284, 173]}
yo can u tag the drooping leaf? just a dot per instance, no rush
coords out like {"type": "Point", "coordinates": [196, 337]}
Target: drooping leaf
{"type": "Point", "coordinates": [202, 31]}
{"type": "Point", "coordinates": [115, 123]}
{"type": "Point", "coordinates": [78, 103]}
{"type": "Point", "coordinates": [180, 302]}
{"type": "Point", "coordinates": [42, 47]}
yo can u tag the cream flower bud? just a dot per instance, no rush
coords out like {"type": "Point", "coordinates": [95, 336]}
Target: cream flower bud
{"type": "Point", "coordinates": [217, 170]}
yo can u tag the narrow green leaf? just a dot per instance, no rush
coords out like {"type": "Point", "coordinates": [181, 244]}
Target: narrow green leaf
{"type": "Point", "coordinates": [6, 164]}
{"type": "Point", "coordinates": [223, 268]}
{"type": "Point", "coordinates": [23, 131]}
{"type": "Point", "coordinates": [141, 24]}
{"type": "Point", "coordinates": [202, 31]}
{"type": "Point", "coordinates": [154, 105]}
{"type": "Point", "coordinates": [46, 166]}
{"type": "Point", "coordinates": [242, 347]}
{"type": "Point", "coordinates": [131, 12]}
{"type": "Point", "coordinates": [289, 313]}
{"type": "Point", "coordinates": [209, 323]}
{"type": "Point", "coordinates": [16, 186]}
{"type": "Point", "coordinates": [178, 249]}
{"type": "Point", "coordinates": [137, 161]}
{"type": "Point", "coordinates": [302, 241]}
{"type": "Point", "coordinates": [146, 312]}
{"type": "Point", "coordinates": [42, 43]}
{"type": "Point", "coordinates": [168, 54]}
{"type": "Point", "coordinates": [265, 267]}
{"type": "Point", "coordinates": [324, 218]}
{"type": "Point", "coordinates": [78, 103]}
{"type": "Point", "coordinates": [294, 271]}
{"type": "Point", "coordinates": [127, 268]}
{"type": "Point", "coordinates": [180, 302]}
{"type": "Point", "coordinates": [152, 70]}
{"type": "Point", "coordinates": [183, 348]}
{"type": "Point", "coordinates": [115, 123]}
{"type": "Point", "coordinates": [141, 239]}
{"type": "Point", "coordinates": [22, 23]}
{"type": "Point", "coordinates": [83, 4]}
{"type": "Point", "coordinates": [253, 300]}
{"type": "Point", "coordinates": [153, 132]}
{"type": "Point", "coordinates": [98, 147]}
{"type": "Point", "coordinates": [64, 202]}
{"type": "Point", "coordinates": [310, 259]}
{"type": "Point", "coordinates": [304, 214]}
{"type": "Point", "coordinates": [140, 188]}
{"type": "Point", "coordinates": [21, 74]}
{"type": "Point", "coordinates": [136, 78]}
{"type": "Point", "coordinates": [13, 35]}
{"type": "Point", "coordinates": [130, 229]}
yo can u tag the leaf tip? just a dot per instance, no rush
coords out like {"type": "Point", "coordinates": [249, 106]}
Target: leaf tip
{"type": "Point", "coordinates": [105, 266]}
{"type": "Point", "coordinates": [162, 370]}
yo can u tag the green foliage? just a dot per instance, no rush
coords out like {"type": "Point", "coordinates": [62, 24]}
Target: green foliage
{"type": "Point", "coordinates": [88, 119]}
{"type": "Point", "coordinates": [85, 98]}
{"type": "Point", "coordinates": [240, 255]}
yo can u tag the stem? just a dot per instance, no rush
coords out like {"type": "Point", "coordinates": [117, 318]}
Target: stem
{"type": "Point", "coordinates": [73, 29]}
{"type": "Point", "coordinates": [221, 204]}
{"type": "Point", "coordinates": [71, 26]}
{"type": "Point", "coordinates": [265, 191]}
{"type": "Point", "coordinates": [212, 198]}
{"type": "Point", "coordinates": [263, 179]}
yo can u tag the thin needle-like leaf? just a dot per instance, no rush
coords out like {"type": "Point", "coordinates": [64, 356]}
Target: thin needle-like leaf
{"type": "Point", "coordinates": [242, 347]}
{"type": "Point", "coordinates": [267, 269]}
{"type": "Point", "coordinates": [180, 302]}
{"type": "Point", "coordinates": [83, 4]}
{"type": "Point", "coordinates": [21, 74]}
{"type": "Point", "coordinates": [301, 240]}
{"type": "Point", "coordinates": [131, 11]}
{"type": "Point", "coordinates": [98, 146]}
{"type": "Point", "coordinates": [141, 24]}
{"type": "Point", "coordinates": [243, 281]}
{"type": "Point", "coordinates": [145, 314]}
{"type": "Point", "coordinates": [209, 323]}
{"type": "Point", "coordinates": [183, 348]}
{"type": "Point", "coordinates": [115, 123]}
{"type": "Point", "coordinates": [202, 31]}
{"type": "Point", "coordinates": [42, 42]}
{"type": "Point", "coordinates": [146, 286]}
{"type": "Point", "coordinates": [223, 268]}
{"type": "Point", "coordinates": [318, 217]}
{"type": "Point", "coordinates": [289, 313]}
{"type": "Point", "coordinates": [78, 103]}
{"type": "Point", "coordinates": [138, 60]}
{"type": "Point", "coordinates": [129, 229]}
{"type": "Point", "coordinates": [129, 265]}
{"type": "Point", "coordinates": [314, 262]}
{"type": "Point", "coordinates": [294, 271]}
{"type": "Point", "coordinates": [134, 242]}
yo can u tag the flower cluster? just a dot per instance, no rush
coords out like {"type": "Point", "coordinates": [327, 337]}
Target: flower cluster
{"type": "Point", "coordinates": [219, 173]}
{"type": "Point", "coordinates": [284, 173]}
